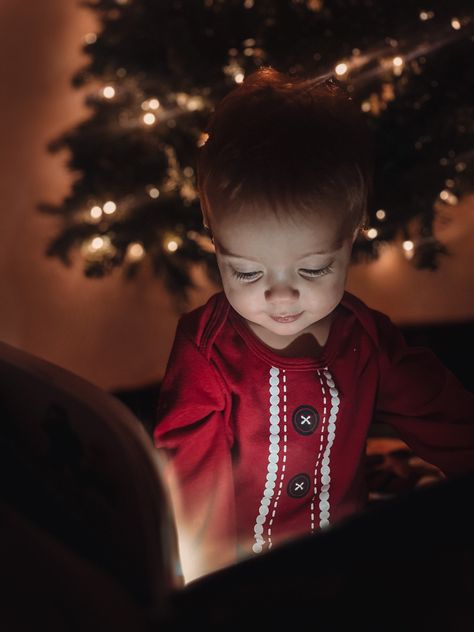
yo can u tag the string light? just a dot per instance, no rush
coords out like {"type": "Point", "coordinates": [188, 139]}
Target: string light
{"type": "Point", "coordinates": [149, 118]}
{"type": "Point", "coordinates": [135, 251]}
{"type": "Point", "coordinates": [372, 233]}
{"type": "Point", "coordinates": [341, 69]}
{"type": "Point", "coordinates": [109, 207]}
{"type": "Point", "coordinates": [398, 64]}
{"type": "Point", "coordinates": [96, 247]}
{"type": "Point", "coordinates": [108, 92]}
{"type": "Point", "coordinates": [90, 38]}
{"type": "Point", "coordinates": [97, 243]}
{"type": "Point", "coordinates": [173, 244]}
{"type": "Point", "coordinates": [380, 214]}
{"type": "Point", "coordinates": [150, 104]}
{"type": "Point", "coordinates": [195, 103]}
{"type": "Point", "coordinates": [153, 192]}
{"type": "Point", "coordinates": [239, 77]}
{"type": "Point", "coordinates": [448, 197]}
{"type": "Point", "coordinates": [408, 248]}
{"type": "Point", "coordinates": [95, 212]}
{"type": "Point", "coordinates": [456, 24]}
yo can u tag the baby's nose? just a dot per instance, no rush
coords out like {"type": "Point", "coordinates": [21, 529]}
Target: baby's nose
{"type": "Point", "coordinates": [281, 291]}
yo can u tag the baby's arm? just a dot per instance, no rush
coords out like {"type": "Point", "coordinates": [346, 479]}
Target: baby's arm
{"type": "Point", "coordinates": [425, 402]}
{"type": "Point", "coordinates": [193, 433]}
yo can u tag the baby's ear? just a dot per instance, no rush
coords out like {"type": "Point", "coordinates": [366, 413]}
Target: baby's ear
{"type": "Point", "coordinates": [356, 232]}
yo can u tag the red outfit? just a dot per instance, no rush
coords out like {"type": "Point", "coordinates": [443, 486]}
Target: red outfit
{"type": "Point", "coordinates": [265, 448]}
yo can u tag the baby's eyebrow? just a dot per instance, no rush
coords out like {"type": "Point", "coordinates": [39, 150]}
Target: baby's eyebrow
{"type": "Point", "coordinates": [335, 247]}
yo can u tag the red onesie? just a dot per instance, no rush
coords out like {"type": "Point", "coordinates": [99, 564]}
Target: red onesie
{"type": "Point", "coordinates": [265, 448]}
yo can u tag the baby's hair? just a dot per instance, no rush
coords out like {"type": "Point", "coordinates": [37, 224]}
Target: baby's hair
{"type": "Point", "coordinates": [294, 146]}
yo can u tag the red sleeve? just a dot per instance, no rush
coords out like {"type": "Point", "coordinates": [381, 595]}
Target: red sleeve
{"type": "Point", "coordinates": [193, 433]}
{"type": "Point", "coordinates": [425, 402]}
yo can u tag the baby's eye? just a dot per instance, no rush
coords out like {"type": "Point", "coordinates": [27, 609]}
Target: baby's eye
{"type": "Point", "coordinates": [244, 275]}
{"type": "Point", "coordinates": [318, 273]}
{"type": "Point", "coordinates": [251, 276]}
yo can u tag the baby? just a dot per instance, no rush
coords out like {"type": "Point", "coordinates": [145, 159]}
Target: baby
{"type": "Point", "coordinates": [272, 385]}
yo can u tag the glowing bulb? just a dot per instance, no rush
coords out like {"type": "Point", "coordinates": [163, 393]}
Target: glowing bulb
{"type": "Point", "coordinates": [372, 233]}
{"type": "Point", "coordinates": [408, 245]}
{"type": "Point", "coordinates": [172, 245]}
{"type": "Point", "coordinates": [380, 214]}
{"type": "Point", "coordinates": [341, 69]}
{"type": "Point", "coordinates": [150, 104]}
{"type": "Point", "coordinates": [135, 251]}
{"type": "Point", "coordinates": [448, 197]}
{"type": "Point", "coordinates": [423, 15]}
{"type": "Point", "coordinates": [149, 118]}
{"type": "Point", "coordinates": [239, 77]}
{"type": "Point", "coordinates": [96, 212]}
{"type": "Point", "coordinates": [153, 192]}
{"type": "Point", "coordinates": [97, 243]}
{"type": "Point", "coordinates": [110, 207]}
{"type": "Point", "coordinates": [90, 38]}
{"type": "Point", "coordinates": [397, 63]}
{"type": "Point", "coordinates": [365, 107]}
{"type": "Point", "coordinates": [195, 103]}
{"type": "Point", "coordinates": [456, 24]}
{"type": "Point", "coordinates": [108, 92]}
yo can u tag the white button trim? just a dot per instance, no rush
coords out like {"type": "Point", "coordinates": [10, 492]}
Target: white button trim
{"type": "Point", "coordinates": [272, 463]}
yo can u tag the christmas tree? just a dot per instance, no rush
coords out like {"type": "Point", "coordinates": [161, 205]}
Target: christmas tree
{"type": "Point", "coordinates": [157, 69]}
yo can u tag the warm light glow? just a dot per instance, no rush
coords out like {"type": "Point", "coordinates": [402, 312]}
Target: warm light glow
{"type": "Point", "coordinates": [97, 243]}
{"type": "Point", "coordinates": [372, 233]}
{"type": "Point", "coordinates": [96, 212]}
{"type": "Point", "coordinates": [150, 104]}
{"type": "Point", "coordinates": [135, 251]}
{"type": "Point", "coordinates": [365, 107]}
{"type": "Point", "coordinates": [456, 24]}
{"type": "Point", "coordinates": [408, 245]}
{"type": "Point", "coordinates": [153, 192]}
{"type": "Point", "coordinates": [341, 69]}
{"type": "Point", "coordinates": [426, 15]}
{"type": "Point", "coordinates": [149, 118]}
{"type": "Point", "coordinates": [108, 92]}
{"type": "Point", "coordinates": [448, 197]}
{"type": "Point", "coordinates": [239, 77]}
{"type": "Point", "coordinates": [195, 103]}
{"type": "Point", "coordinates": [380, 214]}
{"type": "Point", "coordinates": [397, 63]}
{"type": "Point", "coordinates": [110, 207]}
{"type": "Point", "coordinates": [172, 245]}
{"type": "Point", "coordinates": [202, 139]}
{"type": "Point", "coordinates": [90, 38]}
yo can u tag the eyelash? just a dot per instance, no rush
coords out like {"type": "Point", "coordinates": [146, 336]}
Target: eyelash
{"type": "Point", "coordinates": [312, 273]}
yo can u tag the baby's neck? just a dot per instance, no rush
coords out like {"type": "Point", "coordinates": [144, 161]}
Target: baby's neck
{"type": "Point", "coordinates": [310, 341]}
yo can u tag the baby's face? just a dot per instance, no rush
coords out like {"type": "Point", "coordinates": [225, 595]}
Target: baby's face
{"type": "Point", "coordinates": [272, 269]}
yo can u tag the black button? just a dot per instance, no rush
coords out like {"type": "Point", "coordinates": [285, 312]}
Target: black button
{"type": "Point", "coordinates": [298, 486]}
{"type": "Point", "coordinates": [305, 420]}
